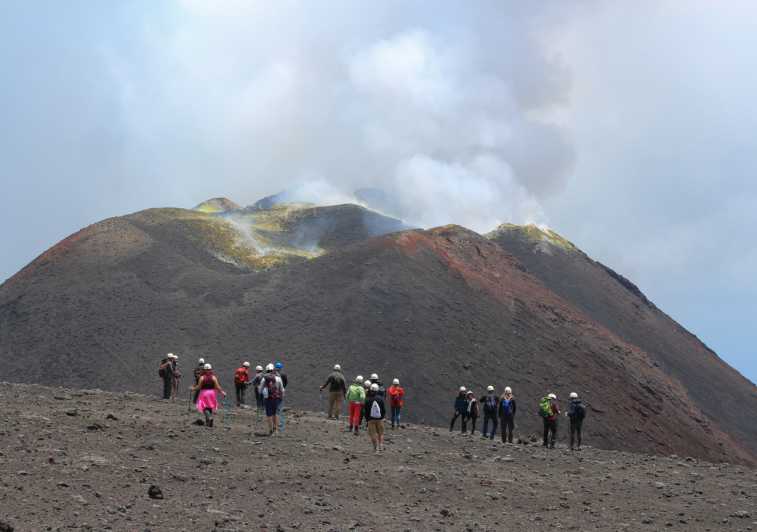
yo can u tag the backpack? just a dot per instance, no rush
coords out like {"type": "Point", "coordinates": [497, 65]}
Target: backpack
{"type": "Point", "coordinates": [545, 407]}
{"type": "Point", "coordinates": [162, 371]}
{"type": "Point", "coordinates": [473, 409]}
{"type": "Point", "coordinates": [271, 390]}
{"type": "Point", "coordinates": [579, 410]}
{"type": "Point", "coordinates": [375, 410]}
{"type": "Point", "coordinates": [507, 407]}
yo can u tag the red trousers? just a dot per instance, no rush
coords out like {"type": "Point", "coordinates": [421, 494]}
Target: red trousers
{"type": "Point", "coordinates": [355, 409]}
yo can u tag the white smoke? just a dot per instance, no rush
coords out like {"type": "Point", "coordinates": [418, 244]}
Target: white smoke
{"type": "Point", "coordinates": [450, 112]}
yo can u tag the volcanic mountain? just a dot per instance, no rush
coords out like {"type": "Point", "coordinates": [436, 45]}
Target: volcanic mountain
{"type": "Point", "coordinates": [437, 308]}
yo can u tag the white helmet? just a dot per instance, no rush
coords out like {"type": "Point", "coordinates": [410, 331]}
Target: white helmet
{"type": "Point", "coordinates": [170, 355]}
{"type": "Point", "coordinates": [258, 368]}
{"type": "Point", "coordinates": [337, 367]}
{"type": "Point", "coordinates": [374, 376]}
{"type": "Point", "coordinates": [207, 367]}
{"type": "Point", "coordinates": [573, 395]}
{"type": "Point", "coordinates": [490, 388]}
{"type": "Point", "coordinates": [374, 387]}
{"type": "Point", "coordinates": [508, 389]}
{"type": "Point", "coordinates": [359, 378]}
{"type": "Point", "coordinates": [552, 396]}
{"type": "Point", "coordinates": [396, 382]}
{"type": "Point", "coordinates": [246, 364]}
{"type": "Point", "coordinates": [201, 361]}
{"type": "Point", "coordinates": [462, 388]}
{"type": "Point", "coordinates": [367, 384]}
{"type": "Point", "coordinates": [269, 367]}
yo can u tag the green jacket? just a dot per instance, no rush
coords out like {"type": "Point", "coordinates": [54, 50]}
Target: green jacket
{"type": "Point", "coordinates": [356, 393]}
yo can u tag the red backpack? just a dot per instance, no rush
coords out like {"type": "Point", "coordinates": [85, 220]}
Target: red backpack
{"type": "Point", "coordinates": [274, 391]}
{"type": "Point", "coordinates": [241, 376]}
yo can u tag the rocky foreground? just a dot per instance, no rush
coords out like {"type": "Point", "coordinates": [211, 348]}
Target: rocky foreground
{"type": "Point", "coordinates": [90, 460]}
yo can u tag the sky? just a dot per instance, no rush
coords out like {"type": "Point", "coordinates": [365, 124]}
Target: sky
{"type": "Point", "coordinates": [627, 129]}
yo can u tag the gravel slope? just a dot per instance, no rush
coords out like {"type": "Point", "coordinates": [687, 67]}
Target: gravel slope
{"type": "Point", "coordinates": [84, 460]}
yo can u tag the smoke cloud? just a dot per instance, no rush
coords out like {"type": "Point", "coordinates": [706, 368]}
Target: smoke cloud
{"type": "Point", "coordinates": [450, 116]}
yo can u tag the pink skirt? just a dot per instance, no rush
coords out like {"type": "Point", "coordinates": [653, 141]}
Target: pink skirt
{"type": "Point", "coordinates": [207, 399]}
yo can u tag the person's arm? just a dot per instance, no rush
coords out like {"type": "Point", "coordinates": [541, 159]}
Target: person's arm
{"type": "Point", "coordinates": [513, 404]}
{"type": "Point", "coordinates": [328, 381]}
{"type": "Point", "coordinates": [217, 386]}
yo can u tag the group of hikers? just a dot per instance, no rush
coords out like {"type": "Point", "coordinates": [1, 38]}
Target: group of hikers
{"type": "Point", "coordinates": [503, 408]}
{"type": "Point", "coordinates": [366, 400]}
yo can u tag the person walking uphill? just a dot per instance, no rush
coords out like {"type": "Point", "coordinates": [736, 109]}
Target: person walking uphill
{"type": "Point", "coordinates": [507, 407]}
{"type": "Point", "coordinates": [256, 389]}
{"type": "Point", "coordinates": [167, 371]}
{"type": "Point", "coordinates": [576, 413]}
{"type": "Point", "coordinates": [461, 409]}
{"type": "Point", "coordinates": [375, 412]}
{"type": "Point", "coordinates": [549, 411]}
{"type": "Point", "coordinates": [207, 400]}
{"type": "Point", "coordinates": [356, 401]}
{"type": "Point", "coordinates": [337, 391]}
{"type": "Point", "coordinates": [396, 401]}
{"type": "Point", "coordinates": [241, 381]}
{"type": "Point", "coordinates": [279, 367]}
{"type": "Point", "coordinates": [490, 402]}
{"type": "Point", "coordinates": [272, 390]}
{"type": "Point", "coordinates": [175, 376]}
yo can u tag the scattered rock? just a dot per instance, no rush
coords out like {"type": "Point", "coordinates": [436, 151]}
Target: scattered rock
{"type": "Point", "coordinates": [154, 492]}
{"type": "Point", "coordinates": [741, 514]}
{"type": "Point", "coordinates": [5, 527]}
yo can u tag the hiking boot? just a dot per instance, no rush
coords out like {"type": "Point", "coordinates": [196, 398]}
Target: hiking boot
{"type": "Point", "coordinates": [210, 423]}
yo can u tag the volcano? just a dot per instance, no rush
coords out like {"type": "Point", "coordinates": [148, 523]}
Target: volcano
{"type": "Point", "coordinates": [314, 285]}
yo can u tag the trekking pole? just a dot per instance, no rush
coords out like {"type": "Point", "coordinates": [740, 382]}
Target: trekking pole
{"type": "Point", "coordinates": [189, 402]}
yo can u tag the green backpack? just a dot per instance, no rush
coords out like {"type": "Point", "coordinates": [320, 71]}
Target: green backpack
{"type": "Point", "coordinates": [545, 407]}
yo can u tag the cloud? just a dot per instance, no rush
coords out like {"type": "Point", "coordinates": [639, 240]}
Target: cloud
{"type": "Point", "coordinates": [451, 120]}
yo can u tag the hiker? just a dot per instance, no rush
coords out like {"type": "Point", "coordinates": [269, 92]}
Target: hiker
{"type": "Point", "coordinates": [576, 412]}
{"type": "Point", "coordinates": [337, 390]}
{"type": "Point", "coordinates": [196, 373]}
{"type": "Point", "coordinates": [490, 403]}
{"type": "Point", "coordinates": [375, 411]}
{"type": "Point", "coordinates": [549, 411]}
{"type": "Point", "coordinates": [255, 383]}
{"type": "Point", "coordinates": [175, 376]}
{"type": "Point", "coordinates": [367, 387]}
{"type": "Point", "coordinates": [165, 372]}
{"type": "Point", "coordinates": [396, 401]}
{"type": "Point", "coordinates": [279, 368]}
{"type": "Point", "coordinates": [207, 388]}
{"type": "Point", "coordinates": [461, 410]}
{"type": "Point", "coordinates": [356, 401]}
{"type": "Point", "coordinates": [272, 390]}
{"type": "Point", "coordinates": [472, 411]}
{"type": "Point", "coordinates": [241, 381]}
{"type": "Point", "coordinates": [381, 390]}
{"type": "Point", "coordinates": [507, 415]}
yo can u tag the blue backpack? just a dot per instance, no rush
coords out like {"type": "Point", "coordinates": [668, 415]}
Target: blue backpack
{"type": "Point", "coordinates": [506, 406]}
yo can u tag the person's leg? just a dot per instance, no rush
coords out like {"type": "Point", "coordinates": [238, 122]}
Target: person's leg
{"type": "Point", "coordinates": [238, 395]}
{"type": "Point", "coordinates": [332, 405]}
{"type": "Point", "coordinates": [484, 430]}
{"type": "Point", "coordinates": [280, 415]}
{"type": "Point", "coordinates": [380, 434]}
{"type": "Point", "coordinates": [166, 388]}
{"type": "Point", "coordinates": [579, 426]}
{"type": "Point", "coordinates": [473, 425]}
{"type": "Point", "coordinates": [243, 393]}
{"type": "Point", "coordinates": [510, 428]}
{"type": "Point", "coordinates": [372, 435]}
{"type": "Point", "coordinates": [572, 432]}
{"type": "Point", "coordinates": [494, 427]}
{"type": "Point", "coordinates": [464, 428]}
{"type": "Point", "coordinates": [546, 432]}
{"type": "Point", "coordinates": [452, 423]}
{"type": "Point", "coordinates": [553, 434]}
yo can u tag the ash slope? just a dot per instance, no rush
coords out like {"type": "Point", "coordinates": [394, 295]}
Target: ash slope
{"type": "Point", "coordinates": [435, 308]}
{"type": "Point", "coordinates": [84, 460]}
{"type": "Point", "coordinates": [613, 301]}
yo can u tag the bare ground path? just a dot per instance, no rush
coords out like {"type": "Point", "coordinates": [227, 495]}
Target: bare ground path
{"type": "Point", "coordinates": [84, 460]}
